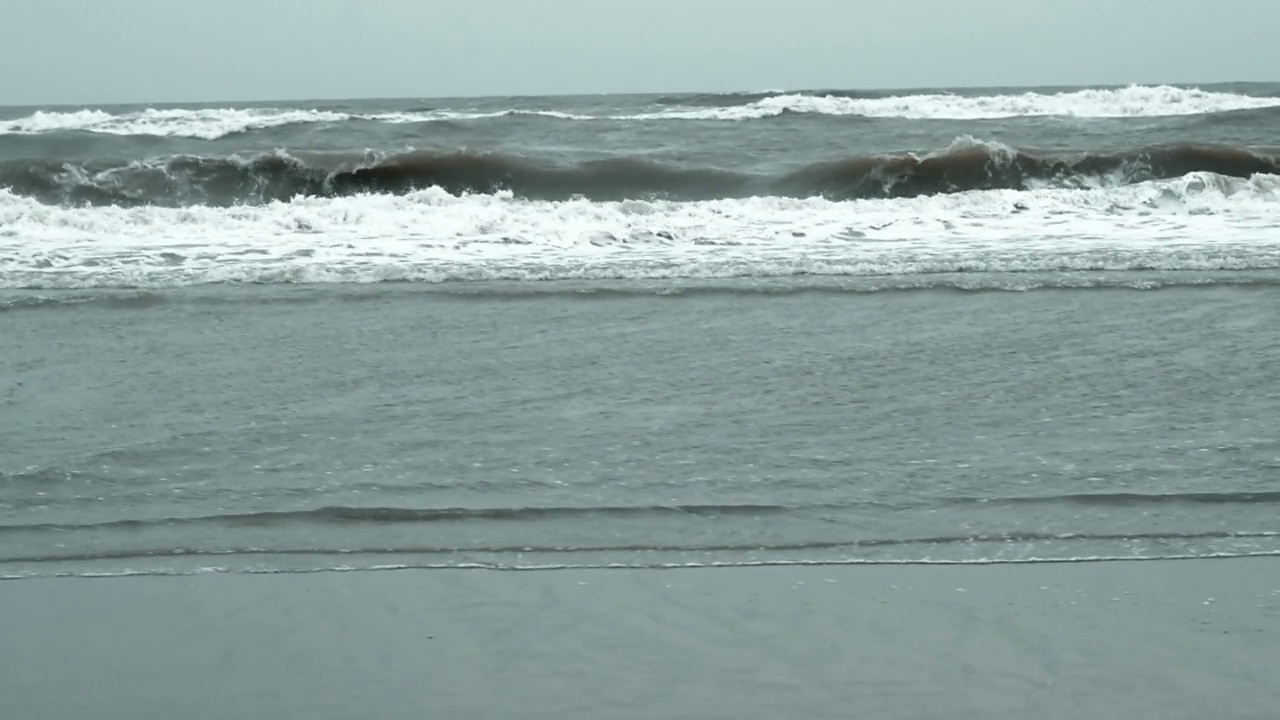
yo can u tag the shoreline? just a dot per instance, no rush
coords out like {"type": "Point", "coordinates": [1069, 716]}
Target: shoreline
{"type": "Point", "coordinates": [638, 568]}
{"type": "Point", "coordinates": [1162, 638]}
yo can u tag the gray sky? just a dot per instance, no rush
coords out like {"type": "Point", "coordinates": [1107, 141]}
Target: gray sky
{"type": "Point", "coordinates": [101, 51]}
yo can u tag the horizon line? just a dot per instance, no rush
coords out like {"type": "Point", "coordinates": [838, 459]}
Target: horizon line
{"type": "Point", "coordinates": [918, 89]}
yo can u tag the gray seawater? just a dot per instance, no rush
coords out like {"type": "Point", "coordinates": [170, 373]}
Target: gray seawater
{"type": "Point", "coordinates": [824, 327]}
{"type": "Point", "coordinates": [273, 429]}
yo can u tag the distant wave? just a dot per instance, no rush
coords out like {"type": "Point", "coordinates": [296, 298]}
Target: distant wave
{"type": "Point", "coordinates": [1131, 102]}
{"type": "Point", "coordinates": [207, 124]}
{"type": "Point", "coordinates": [720, 99]}
{"type": "Point", "coordinates": [965, 165]}
{"type": "Point", "coordinates": [214, 123]}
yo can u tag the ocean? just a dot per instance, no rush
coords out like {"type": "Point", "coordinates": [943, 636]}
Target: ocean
{"type": "Point", "coordinates": [773, 328]}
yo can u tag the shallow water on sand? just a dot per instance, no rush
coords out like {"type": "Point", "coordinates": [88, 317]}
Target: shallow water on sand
{"type": "Point", "coordinates": [347, 427]}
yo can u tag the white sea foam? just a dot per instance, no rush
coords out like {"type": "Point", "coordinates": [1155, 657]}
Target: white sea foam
{"type": "Point", "coordinates": [213, 123]}
{"type": "Point", "coordinates": [1201, 221]}
{"type": "Point", "coordinates": [208, 124]}
{"type": "Point", "coordinates": [436, 115]}
{"type": "Point", "coordinates": [1132, 101]}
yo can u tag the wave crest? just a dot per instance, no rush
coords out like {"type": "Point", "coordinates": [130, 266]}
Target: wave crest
{"type": "Point", "coordinates": [1201, 227]}
{"type": "Point", "coordinates": [1134, 101]}
{"type": "Point", "coordinates": [965, 165]}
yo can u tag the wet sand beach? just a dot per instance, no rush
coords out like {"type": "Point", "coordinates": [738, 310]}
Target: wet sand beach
{"type": "Point", "coordinates": [1158, 639]}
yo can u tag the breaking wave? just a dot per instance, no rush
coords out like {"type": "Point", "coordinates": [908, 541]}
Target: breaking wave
{"type": "Point", "coordinates": [214, 123]}
{"type": "Point", "coordinates": [967, 164]}
{"type": "Point", "coordinates": [1190, 229]}
{"type": "Point", "coordinates": [1129, 102]}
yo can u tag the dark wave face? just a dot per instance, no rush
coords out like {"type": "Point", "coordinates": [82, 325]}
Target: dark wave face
{"type": "Point", "coordinates": [613, 179]}
{"type": "Point", "coordinates": [965, 166]}
{"type": "Point", "coordinates": [978, 167]}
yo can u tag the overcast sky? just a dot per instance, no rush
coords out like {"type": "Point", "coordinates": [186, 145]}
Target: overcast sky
{"type": "Point", "coordinates": [102, 51]}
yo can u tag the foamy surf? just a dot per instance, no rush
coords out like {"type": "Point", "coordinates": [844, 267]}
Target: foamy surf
{"type": "Point", "coordinates": [1129, 102]}
{"type": "Point", "coordinates": [1200, 222]}
{"type": "Point", "coordinates": [204, 124]}
{"type": "Point", "coordinates": [1134, 101]}
{"type": "Point", "coordinates": [214, 123]}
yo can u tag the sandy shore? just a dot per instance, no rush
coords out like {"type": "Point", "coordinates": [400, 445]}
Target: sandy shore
{"type": "Point", "coordinates": [1168, 639]}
